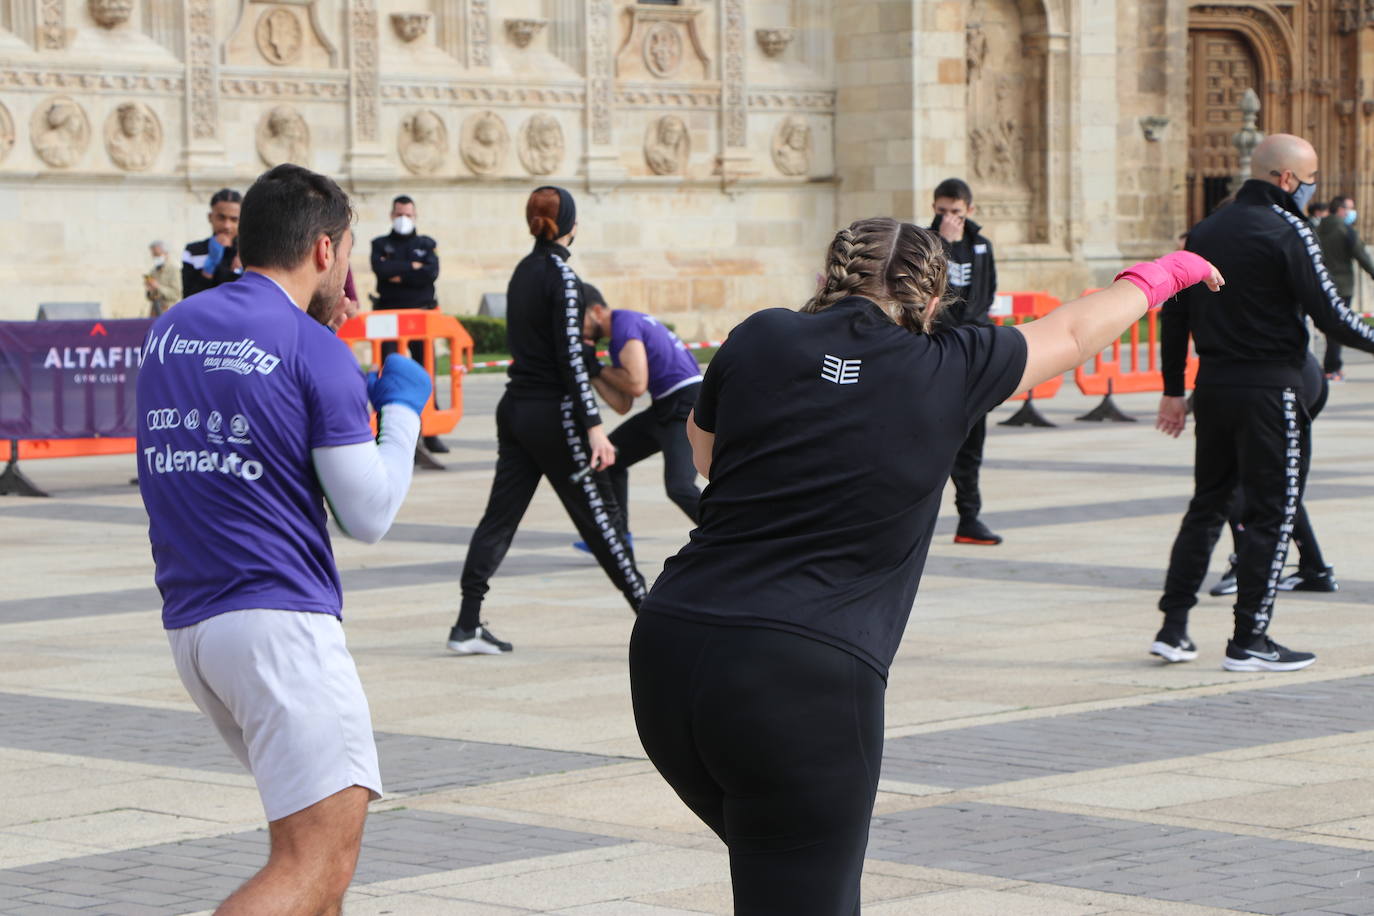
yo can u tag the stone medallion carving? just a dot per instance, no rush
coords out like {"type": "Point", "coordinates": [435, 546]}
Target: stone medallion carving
{"type": "Point", "coordinates": [541, 144]}
{"type": "Point", "coordinates": [772, 42]}
{"type": "Point", "coordinates": [484, 143]}
{"type": "Point", "coordinates": [60, 132]}
{"type": "Point", "coordinates": [410, 26]}
{"type": "Point", "coordinates": [662, 49]}
{"type": "Point", "coordinates": [423, 142]}
{"type": "Point", "coordinates": [6, 132]}
{"type": "Point", "coordinates": [283, 137]}
{"type": "Point", "coordinates": [792, 147]}
{"type": "Point", "coordinates": [133, 136]}
{"type": "Point", "coordinates": [110, 13]}
{"type": "Point", "coordinates": [667, 145]}
{"type": "Point", "coordinates": [280, 35]}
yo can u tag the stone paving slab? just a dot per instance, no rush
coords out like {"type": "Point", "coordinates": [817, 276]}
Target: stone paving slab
{"type": "Point", "coordinates": [179, 738]}
{"type": "Point", "coordinates": [1032, 748]}
{"type": "Point", "coordinates": [1203, 867]}
{"type": "Point", "coordinates": [173, 878]}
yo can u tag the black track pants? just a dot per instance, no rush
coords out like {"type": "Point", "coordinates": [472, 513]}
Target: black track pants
{"type": "Point", "coordinates": [660, 428]}
{"type": "Point", "coordinates": [774, 740]}
{"type": "Point", "coordinates": [967, 462]}
{"type": "Point", "coordinates": [1257, 438]}
{"type": "Point", "coordinates": [541, 438]}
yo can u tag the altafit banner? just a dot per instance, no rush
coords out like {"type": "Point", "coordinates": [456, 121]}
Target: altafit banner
{"type": "Point", "coordinates": [69, 379]}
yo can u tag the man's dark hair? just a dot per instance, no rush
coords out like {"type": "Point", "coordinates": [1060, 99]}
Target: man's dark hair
{"type": "Point", "coordinates": [591, 295]}
{"type": "Point", "coordinates": [285, 211]}
{"type": "Point", "coordinates": [955, 188]}
{"type": "Point", "coordinates": [225, 196]}
{"type": "Point", "coordinates": [1340, 201]}
{"type": "Point", "coordinates": [401, 199]}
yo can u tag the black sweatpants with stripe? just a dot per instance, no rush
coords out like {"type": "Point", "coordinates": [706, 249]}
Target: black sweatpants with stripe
{"type": "Point", "coordinates": [539, 438]}
{"type": "Point", "coordinates": [1257, 438]}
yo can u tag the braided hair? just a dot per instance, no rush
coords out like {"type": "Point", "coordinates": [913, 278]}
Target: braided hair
{"type": "Point", "coordinates": [900, 266]}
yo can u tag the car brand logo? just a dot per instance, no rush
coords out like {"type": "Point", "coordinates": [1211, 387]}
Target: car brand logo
{"type": "Point", "coordinates": [164, 418]}
{"type": "Point", "coordinates": [192, 420]}
{"type": "Point", "coordinates": [214, 421]}
{"type": "Point", "coordinates": [238, 426]}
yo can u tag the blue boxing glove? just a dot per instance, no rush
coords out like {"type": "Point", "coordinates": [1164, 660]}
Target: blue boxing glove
{"type": "Point", "coordinates": [403, 381]}
{"type": "Point", "coordinates": [212, 259]}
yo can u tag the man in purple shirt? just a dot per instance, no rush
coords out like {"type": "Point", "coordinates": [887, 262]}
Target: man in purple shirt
{"type": "Point", "coordinates": [251, 415]}
{"type": "Point", "coordinates": [645, 357]}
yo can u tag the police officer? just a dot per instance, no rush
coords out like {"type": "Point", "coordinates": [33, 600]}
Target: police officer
{"type": "Point", "coordinates": [407, 266]}
{"type": "Point", "coordinates": [1252, 425]}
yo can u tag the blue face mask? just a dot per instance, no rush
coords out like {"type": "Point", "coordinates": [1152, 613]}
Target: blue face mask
{"type": "Point", "coordinates": [1304, 193]}
{"type": "Point", "coordinates": [1350, 217]}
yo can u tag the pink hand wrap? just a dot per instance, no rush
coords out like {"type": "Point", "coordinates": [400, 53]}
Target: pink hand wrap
{"type": "Point", "coordinates": [1162, 279]}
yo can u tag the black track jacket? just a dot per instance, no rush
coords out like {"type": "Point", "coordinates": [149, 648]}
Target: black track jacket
{"type": "Point", "coordinates": [544, 311]}
{"type": "Point", "coordinates": [972, 276]}
{"type": "Point", "coordinates": [1252, 333]}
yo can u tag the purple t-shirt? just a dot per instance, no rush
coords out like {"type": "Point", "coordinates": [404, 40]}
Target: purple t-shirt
{"type": "Point", "coordinates": [237, 386]}
{"type": "Point", "coordinates": [671, 364]}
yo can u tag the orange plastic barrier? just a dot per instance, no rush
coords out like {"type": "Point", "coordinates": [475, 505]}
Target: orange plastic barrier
{"type": "Point", "coordinates": [1028, 307]}
{"type": "Point", "coordinates": [427, 326]}
{"type": "Point", "coordinates": [67, 448]}
{"type": "Point", "coordinates": [1139, 372]}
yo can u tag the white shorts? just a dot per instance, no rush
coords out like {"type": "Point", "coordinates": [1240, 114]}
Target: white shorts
{"type": "Point", "coordinates": [283, 691]}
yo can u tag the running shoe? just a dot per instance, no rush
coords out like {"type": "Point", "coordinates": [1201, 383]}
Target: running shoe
{"type": "Point", "coordinates": [1263, 654]}
{"type": "Point", "coordinates": [973, 531]}
{"type": "Point", "coordinates": [1226, 585]}
{"type": "Point", "coordinates": [1322, 580]}
{"type": "Point", "coordinates": [1173, 647]}
{"type": "Point", "coordinates": [479, 641]}
{"type": "Point", "coordinates": [582, 545]}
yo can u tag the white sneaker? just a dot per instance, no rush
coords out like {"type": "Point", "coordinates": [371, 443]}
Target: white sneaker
{"type": "Point", "coordinates": [480, 641]}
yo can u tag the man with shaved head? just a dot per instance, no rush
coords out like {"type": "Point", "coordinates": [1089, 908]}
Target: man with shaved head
{"type": "Point", "coordinates": [1252, 427]}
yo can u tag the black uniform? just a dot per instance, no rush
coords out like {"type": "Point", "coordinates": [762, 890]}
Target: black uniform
{"type": "Point", "coordinates": [972, 287]}
{"type": "Point", "coordinates": [392, 256]}
{"type": "Point", "coordinates": [193, 259]}
{"type": "Point", "coordinates": [1252, 425]}
{"type": "Point", "coordinates": [759, 660]}
{"type": "Point", "coordinates": [541, 426]}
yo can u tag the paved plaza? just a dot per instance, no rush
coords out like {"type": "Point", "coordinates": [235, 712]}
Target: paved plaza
{"type": "Point", "coordinates": [1038, 761]}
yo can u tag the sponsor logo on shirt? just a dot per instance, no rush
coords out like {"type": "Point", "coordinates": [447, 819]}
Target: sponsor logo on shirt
{"type": "Point", "coordinates": [168, 460]}
{"type": "Point", "coordinates": [192, 419]}
{"type": "Point", "coordinates": [840, 371]}
{"type": "Point", "coordinates": [960, 274]}
{"type": "Point", "coordinates": [980, 248]}
{"type": "Point", "coordinates": [163, 418]}
{"type": "Point", "coordinates": [241, 356]}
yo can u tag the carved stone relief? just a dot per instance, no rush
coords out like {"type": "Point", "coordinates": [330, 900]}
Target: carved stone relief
{"type": "Point", "coordinates": [60, 132]}
{"type": "Point", "coordinates": [423, 142]}
{"type": "Point", "coordinates": [203, 99]}
{"type": "Point", "coordinates": [283, 136]}
{"type": "Point", "coordinates": [600, 75]}
{"type": "Point", "coordinates": [772, 42]}
{"type": "Point", "coordinates": [479, 34]}
{"type": "Point", "coordinates": [410, 26]}
{"type": "Point", "coordinates": [792, 147]}
{"type": "Point", "coordinates": [110, 13]}
{"type": "Point", "coordinates": [667, 145]}
{"type": "Point", "coordinates": [522, 31]}
{"type": "Point", "coordinates": [541, 144]}
{"type": "Point", "coordinates": [662, 50]}
{"type": "Point", "coordinates": [662, 42]}
{"type": "Point", "coordinates": [6, 132]}
{"type": "Point", "coordinates": [133, 136]}
{"type": "Point", "coordinates": [52, 24]}
{"type": "Point", "coordinates": [484, 143]}
{"type": "Point", "coordinates": [280, 35]}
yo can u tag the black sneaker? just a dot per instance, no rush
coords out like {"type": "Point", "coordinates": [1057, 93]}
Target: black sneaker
{"type": "Point", "coordinates": [973, 531]}
{"type": "Point", "coordinates": [1226, 585]}
{"type": "Point", "coordinates": [480, 641]}
{"type": "Point", "coordinates": [1308, 581]}
{"type": "Point", "coordinates": [1264, 655]}
{"type": "Point", "coordinates": [1173, 647]}
{"type": "Point", "coordinates": [435, 446]}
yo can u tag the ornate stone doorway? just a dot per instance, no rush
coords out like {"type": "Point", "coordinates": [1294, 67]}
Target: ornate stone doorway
{"type": "Point", "coordinates": [1223, 64]}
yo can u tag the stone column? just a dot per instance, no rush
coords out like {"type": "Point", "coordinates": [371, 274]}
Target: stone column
{"type": "Point", "coordinates": [1091, 185]}
{"type": "Point", "coordinates": [600, 157]}
{"type": "Point", "coordinates": [202, 157]}
{"type": "Point", "coordinates": [365, 158]}
{"type": "Point", "coordinates": [52, 25]}
{"type": "Point", "coordinates": [734, 161]}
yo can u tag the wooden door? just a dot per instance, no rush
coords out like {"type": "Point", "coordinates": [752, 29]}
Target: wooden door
{"type": "Point", "coordinates": [1221, 67]}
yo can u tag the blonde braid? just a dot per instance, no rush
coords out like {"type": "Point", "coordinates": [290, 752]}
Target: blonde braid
{"type": "Point", "coordinates": [855, 262]}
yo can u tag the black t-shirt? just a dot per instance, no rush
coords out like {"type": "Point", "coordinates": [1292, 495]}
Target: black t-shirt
{"type": "Point", "coordinates": [835, 434]}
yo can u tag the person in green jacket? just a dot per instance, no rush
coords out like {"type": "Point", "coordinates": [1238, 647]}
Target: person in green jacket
{"type": "Point", "coordinates": [1342, 247]}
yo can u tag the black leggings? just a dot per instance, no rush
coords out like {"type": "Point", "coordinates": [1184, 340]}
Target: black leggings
{"type": "Point", "coordinates": [537, 439]}
{"type": "Point", "coordinates": [660, 428]}
{"type": "Point", "coordinates": [775, 741]}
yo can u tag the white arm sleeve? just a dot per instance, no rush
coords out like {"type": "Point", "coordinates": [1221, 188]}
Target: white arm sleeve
{"type": "Point", "coordinates": [365, 484]}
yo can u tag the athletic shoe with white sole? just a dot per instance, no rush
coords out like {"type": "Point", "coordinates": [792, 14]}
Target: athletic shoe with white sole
{"type": "Point", "coordinates": [1264, 655]}
{"type": "Point", "coordinates": [1173, 647]}
{"type": "Point", "coordinates": [480, 641]}
{"type": "Point", "coordinates": [1226, 585]}
{"type": "Point", "coordinates": [1308, 581]}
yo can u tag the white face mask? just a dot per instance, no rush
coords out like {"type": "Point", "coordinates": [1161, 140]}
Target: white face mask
{"type": "Point", "coordinates": [403, 225]}
{"type": "Point", "coordinates": [159, 260]}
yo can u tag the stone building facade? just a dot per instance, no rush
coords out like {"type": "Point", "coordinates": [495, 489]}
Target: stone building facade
{"type": "Point", "coordinates": [714, 145]}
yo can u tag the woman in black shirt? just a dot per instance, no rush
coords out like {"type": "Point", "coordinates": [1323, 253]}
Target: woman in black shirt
{"type": "Point", "coordinates": [759, 660]}
{"type": "Point", "coordinates": [547, 425]}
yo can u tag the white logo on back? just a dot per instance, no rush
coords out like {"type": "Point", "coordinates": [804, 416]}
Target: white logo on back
{"type": "Point", "coordinates": [840, 371]}
{"type": "Point", "coordinates": [960, 274]}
